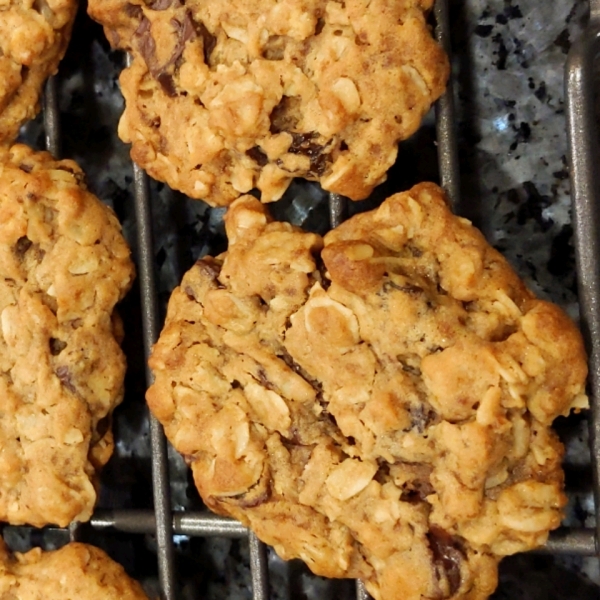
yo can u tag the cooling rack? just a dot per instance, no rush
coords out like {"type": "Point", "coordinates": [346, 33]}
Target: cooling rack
{"type": "Point", "coordinates": [583, 136]}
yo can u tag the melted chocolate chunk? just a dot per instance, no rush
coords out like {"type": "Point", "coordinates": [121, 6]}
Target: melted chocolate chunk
{"type": "Point", "coordinates": [25, 168]}
{"type": "Point", "coordinates": [185, 31]}
{"type": "Point", "coordinates": [56, 346]}
{"type": "Point", "coordinates": [258, 156]}
{"type": "Point", "coordinates": [167, 84]}
{"type": "Point", "coordinates": [209, 41]}
{"type": "Point", "coordinates": [447, 557]}
{"type": "Point", "coordinates": [23, 244]}
{"type": "Point", "coordinates": [302, 144]}
{"type": "Point", "coordinates": [145, 43]}
{"type": "Point", "coordinates": [161, 4]}
{"type": "Point", "coordinates": [209, 267]}
{"type": "Point", "coordinates": [64, 375]}
{"type": "Point", "coordinates": [134, 11]}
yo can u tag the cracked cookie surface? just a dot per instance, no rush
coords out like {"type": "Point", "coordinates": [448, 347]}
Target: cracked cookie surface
{"type": "Point", "coordinates": [75, 571]}
{"type": "Point", "coordinates": [227, 96]}
{"type": "Point", "coordinates": [376, 402]}
{"type": "Point", "coordinates": [63, 266]}
{"type": "Point", "coordinates": [33, 39]}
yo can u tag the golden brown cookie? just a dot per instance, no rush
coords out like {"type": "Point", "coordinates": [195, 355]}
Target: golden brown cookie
{"type": "Point", "coordinates": [33, 39]}
{"type": "Point", "coordinates": [74, 572]}
{"type": "Point", "coordinates": [63, 266]}
{"type": "Point", "coordinates": [228, 95]}
{"type": "Point", "coordinates": [377, 402]}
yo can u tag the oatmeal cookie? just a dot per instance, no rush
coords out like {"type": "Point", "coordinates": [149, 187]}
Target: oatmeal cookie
{"type": "Point", "coordinates": [376, 402]}
{"type": "Point", "coordinates": [74, 572]}
{"type": "Point", "coordinates": [33, 39]}
{"type": "Point", "coordinates": [230, 95]}
{"type": "Point", "coordinates": [63, 266]}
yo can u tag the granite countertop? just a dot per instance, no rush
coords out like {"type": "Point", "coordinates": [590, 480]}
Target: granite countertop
{"type": "Point", "coordinates": [508, 74]}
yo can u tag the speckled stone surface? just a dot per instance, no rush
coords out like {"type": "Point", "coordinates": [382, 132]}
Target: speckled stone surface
{"type": "Point", "coordinates": [508, 74]}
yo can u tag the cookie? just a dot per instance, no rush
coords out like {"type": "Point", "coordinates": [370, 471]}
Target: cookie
{"type": "Point", "coordinates": [74, 572]}
{"type": "Point", "coordinates": [376, 402]}
{"type": "Point", "coordinates": [63, 266]}
{"type": "Point", "coordinates": [33, 39]}
{"type": "Point", "coordinates": [229, 96]}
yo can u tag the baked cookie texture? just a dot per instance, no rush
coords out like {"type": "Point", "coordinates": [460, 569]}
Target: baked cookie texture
{"type": "Point", "coordinates": [63, 266]}
{"type": "Point", "coordinates": [74, 572]}
{"type": "Point", "coordinates": [33, 39]}
{"type": "Point", "coordinates": [377, 402]}
{"type": "Point", "coordinates": [226, 96]}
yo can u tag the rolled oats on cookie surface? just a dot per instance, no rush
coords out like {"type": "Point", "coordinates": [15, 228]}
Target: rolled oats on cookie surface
{"type": "Point", "coordinates": [376, 402]}
{"type": "Point", "coordinates": [228, 96]}
{"type": "Point", "coordinates": [33, 39]}
{"type": "Point", "coordinates": [63, 266]}
{"type": "Point", "coordinates": [74, 572]}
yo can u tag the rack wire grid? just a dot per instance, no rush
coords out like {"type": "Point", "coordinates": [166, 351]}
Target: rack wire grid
{"type": "Point", "coordinates": [584, 158]}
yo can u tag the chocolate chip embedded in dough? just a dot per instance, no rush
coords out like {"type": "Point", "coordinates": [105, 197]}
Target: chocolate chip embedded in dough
{"type": "Point", "coordinates": [209, 41]}
{"type": "Point", "coordinates": [145, 43]}
{"type": "Point", "coordinates": [258, 156]}
{"type": "Point", "coordinates": [302, 144]}
{"type": "Point", "coordinates": [23, 244]}
{"type": "Point", "coordinates": [447, 558]}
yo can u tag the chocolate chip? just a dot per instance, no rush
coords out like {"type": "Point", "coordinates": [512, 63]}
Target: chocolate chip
{"type": "Point", "coordinates": [447, 557]}
{"type": "Point", "coordinates": [26, 168]}
{"type": "Point", "coordinates": [211, 268]}
{"type": "Point", "coordinates": [258, 156]}
{"type": "Point", "coordinates": [209, 41]}
{"type": "Point", "coordinates": [64, 375]}
{"type": "Point", "coordinates": [161, 4]}
{"type": "Point", "coordinates": [302, 144]}
{"type": "Point", "coordinates": [23, 244]}
{"type": "Point", "coordinates": [167, 84]}
{"type": "Point", "coordinates": [56, 346]}
{"type": "Point", "coordinates": [134, 11]}
{"type": "Point", "coordinates": [145, 43]}
{"type": "Point", "coordinates": [185, 30]}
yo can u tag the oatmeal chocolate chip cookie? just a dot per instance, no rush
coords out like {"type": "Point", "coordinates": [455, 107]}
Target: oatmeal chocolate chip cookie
{"type": "Point", "coordinates": [230, 95]}
{"type": "Point", "coordinates": [63, 266]}
{"type": "Point", "coordinates": [33, 39]}
{"type": "Point", "coordinates": [74, 572]}
{"type": "Point", "coordinates": [376, 402]}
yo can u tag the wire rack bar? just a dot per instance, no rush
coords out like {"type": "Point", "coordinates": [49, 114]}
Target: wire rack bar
{"type": "Point", "coordinates": [583, 162]}
{"type": "Point", "coordinates": [447, 143]}
{"type": "Point", "coordinates": [361, 591]}
{"type": "Point", "coordinates": [258, 568]}
{"type": "Point", "coordinates": [150, 322]}
{"type": "Point", "coordinates": [51, 118]}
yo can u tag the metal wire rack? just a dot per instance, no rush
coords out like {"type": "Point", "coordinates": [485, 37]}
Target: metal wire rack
{"type": "Point", "coordinates": [584, 157]}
